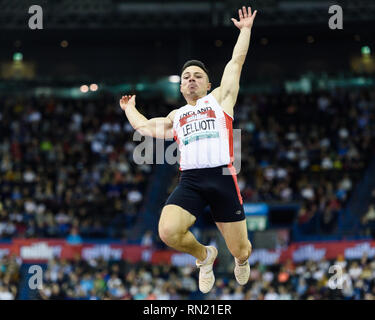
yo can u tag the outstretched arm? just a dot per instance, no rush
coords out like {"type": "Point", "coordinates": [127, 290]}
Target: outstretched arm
{"type": "Point", "coordinates": [227, 93]}
{"type": "Point", "coordinates": [161, 128]}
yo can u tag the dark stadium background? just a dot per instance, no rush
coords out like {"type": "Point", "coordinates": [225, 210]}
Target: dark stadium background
{"type": "Point", "coordinates": [73, 201]}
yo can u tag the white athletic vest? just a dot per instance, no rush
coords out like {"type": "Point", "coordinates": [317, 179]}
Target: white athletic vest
{"type": "Point", "coordinates": [204, 134]}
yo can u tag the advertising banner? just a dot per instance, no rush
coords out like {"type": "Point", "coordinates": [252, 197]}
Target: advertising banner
{"type": "Point", "coordinates": [42, 250]}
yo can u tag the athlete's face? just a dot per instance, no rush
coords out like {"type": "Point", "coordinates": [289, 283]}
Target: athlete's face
{"type": "Point", "coordinates": [194, 82]}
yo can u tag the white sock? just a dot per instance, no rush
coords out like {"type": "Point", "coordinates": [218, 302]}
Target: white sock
{"type": "Point", "coordinates": [238, 263]}
{"type": "Point", "coordinates": [208, 255]}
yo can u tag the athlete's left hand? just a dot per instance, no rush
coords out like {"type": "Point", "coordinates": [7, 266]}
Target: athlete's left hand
{"type": "Point", "coordinates": [246, 18]}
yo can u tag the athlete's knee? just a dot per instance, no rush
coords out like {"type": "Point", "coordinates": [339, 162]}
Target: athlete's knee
{"type": "Point", "coordinates": [170, 234]}
{"type": "Point", "coordinates": [242, 251]}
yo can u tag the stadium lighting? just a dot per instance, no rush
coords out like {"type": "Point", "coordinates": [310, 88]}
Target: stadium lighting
{"type": "Point", "coordinates": [93, 87]}
{"type": "Point", "coordinates": [84, 88]}
{"type": "Point", "coordinates": [366, 50]}
{"type": "Point", "coordinates": [18, 56]}
{"type": "Point", "coordinates": [174, 79]}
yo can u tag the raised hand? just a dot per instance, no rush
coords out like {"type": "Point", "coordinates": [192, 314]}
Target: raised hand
{"type": "Point", "coordinates": [126, 101]}
{"type": "Point", "coordinates": [246, 18]}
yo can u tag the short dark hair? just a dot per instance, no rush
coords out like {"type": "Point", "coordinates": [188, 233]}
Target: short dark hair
{"type": "Point", "coordinates": [197, 63]}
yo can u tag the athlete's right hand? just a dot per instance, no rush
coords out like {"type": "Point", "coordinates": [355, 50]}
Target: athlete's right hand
{"type": "Point", "coordinates": [127, 101]}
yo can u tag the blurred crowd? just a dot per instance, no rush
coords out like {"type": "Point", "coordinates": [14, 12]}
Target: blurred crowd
{"type": "Point", "coordinates": [310, 148]}
{"type": "Point", "coordinates": [368, 219]}
{"type": "Point", "coordinates": [310, 280]}
{"type": "Point", "coordinates": [10, 277]}
{"type": "Point", "coordinates": [67, 169]}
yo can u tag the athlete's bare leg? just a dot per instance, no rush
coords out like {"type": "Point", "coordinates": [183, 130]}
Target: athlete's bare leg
{"type": "Point", "coordinates": [236, 239]}
{"type": "Point", "coordinates": [174, 231]}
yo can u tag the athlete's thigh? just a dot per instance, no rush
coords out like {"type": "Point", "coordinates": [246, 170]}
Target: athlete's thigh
{"type": "Point", "coordinates": [234, 233]}
{"type": "Point", "coordinates": [176, 218]}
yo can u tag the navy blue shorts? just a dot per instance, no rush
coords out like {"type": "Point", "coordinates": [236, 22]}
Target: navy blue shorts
{"type": "Point", "coordinates": [198, 188]}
